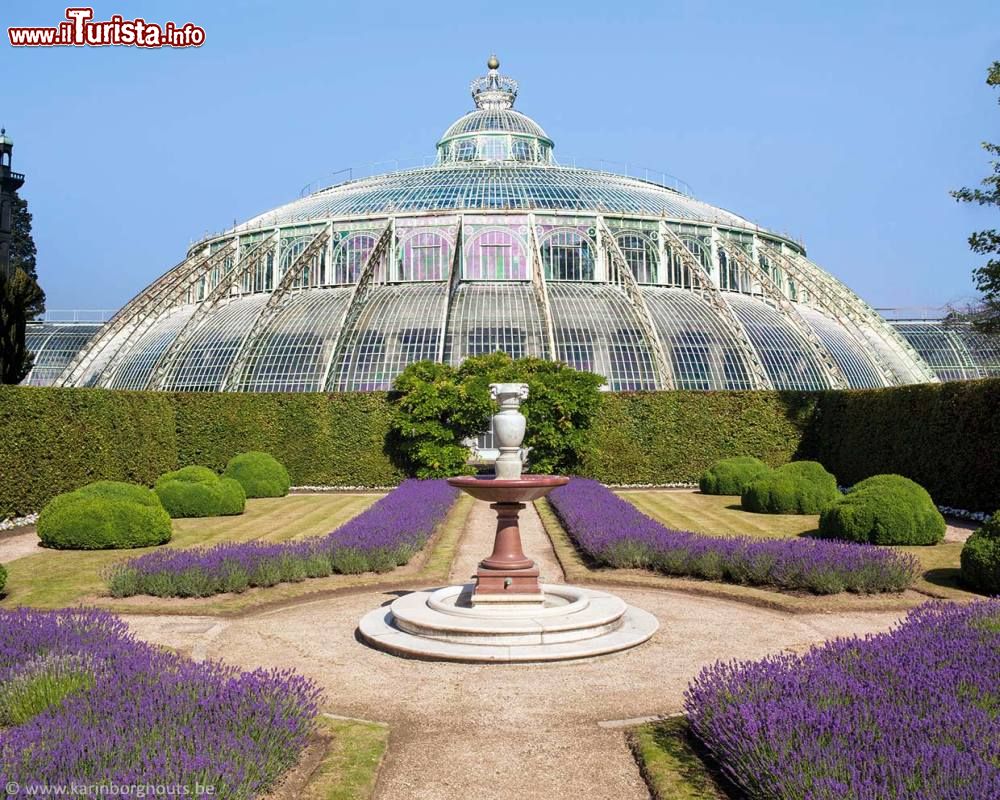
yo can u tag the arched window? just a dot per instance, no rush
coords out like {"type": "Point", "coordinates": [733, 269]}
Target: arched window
{"type": "Point", "coordinates": [731, 276]}
{"type": "Point", "coordinates": [310, 274]}
{"type": "Point", "coordinates": [493, 148]}
{"type": "Point", "coordinates": [424, 257]}
{"type": "Point", "coordinates": [350, 258]}
{"type": "Point", "coordinates": [641, 255]}
{"type": "Point", "coordinates": [465, 150]}
{"type": "Point", "coordinates": [568, 255]}
{"type": "Point", "coordinates": [676, 272]}
{"type": "Point", "coordinates": [521, 150]}
{"type": "Point", "coordinates": [496, 255]}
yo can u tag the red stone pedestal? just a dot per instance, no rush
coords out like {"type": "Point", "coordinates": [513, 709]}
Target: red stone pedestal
{"type": "Point", "coordinates": [508, 575]}
{"type": "Point", "coordinates": [507, 571]}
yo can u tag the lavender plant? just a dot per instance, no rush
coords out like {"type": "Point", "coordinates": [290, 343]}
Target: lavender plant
{"type": "Point", "coordinates": [908, 715]}
{"type": "Point", "coordinates": [383, 536]}
{"type": "Point", "coordinates": [614, 532]}
{"type": "Point", "coordinates": [136, 714]}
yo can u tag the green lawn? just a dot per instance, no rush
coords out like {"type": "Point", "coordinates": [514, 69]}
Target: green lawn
{"type": "Point", "coordinates": [721, 515]}
{"type": "Point", "coordinates": [350, 767]}
{"type": "Point", "coordinates": [717, 515]}
{"type": "Point", "coordinates": [670, 763]}
{"type": "Point", "coordinates": [58, 578]}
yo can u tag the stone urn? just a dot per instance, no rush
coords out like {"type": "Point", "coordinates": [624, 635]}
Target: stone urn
{"type": "Point", "coordinates": [508, 428]}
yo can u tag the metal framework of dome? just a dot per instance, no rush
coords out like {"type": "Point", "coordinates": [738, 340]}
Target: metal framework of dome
{"type": "Point", "coordinates": [496, 247]}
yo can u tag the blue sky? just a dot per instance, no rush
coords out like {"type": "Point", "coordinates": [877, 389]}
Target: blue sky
{"type": "Point", "coordinates": [844, 123]}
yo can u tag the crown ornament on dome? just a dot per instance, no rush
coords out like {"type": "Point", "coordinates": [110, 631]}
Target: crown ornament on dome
{"type": "Point", "coordinates": [494, 90]}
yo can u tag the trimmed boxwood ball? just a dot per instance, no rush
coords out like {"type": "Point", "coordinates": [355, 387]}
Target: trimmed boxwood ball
{"type": "Point", "coordinates": [800, 487]}
{"type": "Point", "coordinates": [260, 474]}
{"type": "Point", "coordinates": [981, 557]}
{"type": "Point", "coordinates": [102, 516]}
{"type": "Point", "coordinates": [884, 509]}
{"type": "Point", "coordinates": [732, 475]}
{"type": "Point", "coordinates": [199, 492]}
{"type": "Point", "coordinates": [234, 499]}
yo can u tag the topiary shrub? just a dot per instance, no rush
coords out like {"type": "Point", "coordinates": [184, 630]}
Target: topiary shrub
{"type": "Point", "coordinates": [732, 475]}
{"type": "Point", "coordinates": [199, 492]}
{"type": "Point", "coordinates": [234, 499]}
{"type": "Point", "coordinates": [260, 474]}
{"type": "Point", "coordinates": [981, 557]}
{"type": "Point", "coordinates": [800, 487]}
{"type": "Point", "coordinates": [884, 509]}
{"type": "Point", "coordinates": [3, 577]}
{"type": "Point", "coordinates": [104, 515]}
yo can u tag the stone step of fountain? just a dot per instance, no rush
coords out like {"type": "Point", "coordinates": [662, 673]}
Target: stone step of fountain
{"type": "Point", "coordinates": [586, 623]}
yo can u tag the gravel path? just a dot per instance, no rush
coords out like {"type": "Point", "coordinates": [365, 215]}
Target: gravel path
{"type": "Point", "coordinates": [18, 545]}
{"type": "Point", "coordinates": [510, 731]}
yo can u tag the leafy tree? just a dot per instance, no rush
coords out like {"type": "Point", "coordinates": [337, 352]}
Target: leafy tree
{"type": "Point", "coordinates": [22, 245]}
{"type": "Point", "coordinates": [437, 406]}
{"type": "Point", "coordinates": [987, 243]}
{"type": "Point", "coordinates": [21, 299]}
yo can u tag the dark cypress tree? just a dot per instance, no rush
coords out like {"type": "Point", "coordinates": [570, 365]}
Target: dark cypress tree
{"type": "Point", "coordinates": [21, 299]}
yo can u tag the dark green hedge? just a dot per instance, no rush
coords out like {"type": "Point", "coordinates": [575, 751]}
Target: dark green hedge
{"type": "Point", "coordinates": [323, 440]}
{"type": "Point", "coordinates": [671, 437]}
{"type": "Point", "coordinates": [946, 437]}
{"type": "Point", "coordinates": [57, 440]}
{"type": "Point", "coordinates": [943, 436]}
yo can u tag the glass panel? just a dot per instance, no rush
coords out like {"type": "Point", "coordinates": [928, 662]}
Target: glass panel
{"type": "Point", "coordinates": [396, 326]}
{"type": "Point", "coordinates": [596, 328]}
{"type": "Point", "coordinates": [496, 255]}
{"type": "Point", "coordinates": [787, 356]}
{"type": "Point", "coordinates": [702, 351]}
{"type": "Point", "coordinates": [486, 317]}
{"type": "Point", "coordinates": [641, 255]}
{"type": "Point", "coordinates": [568, 256]}
{"type": "Point", "coordinates": [137, 367]}
{"type": "Point", "coordinates": [294, 351]}
{"type": "Point", "coordinates": [850, 356]}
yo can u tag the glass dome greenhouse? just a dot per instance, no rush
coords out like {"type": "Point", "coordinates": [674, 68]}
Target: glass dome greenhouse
{"type": "Point", "coordinates": [496, 246]}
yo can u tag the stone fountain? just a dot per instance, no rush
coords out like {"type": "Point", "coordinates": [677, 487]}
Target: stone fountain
{"type": "Point", "coordinates": [507, 614]}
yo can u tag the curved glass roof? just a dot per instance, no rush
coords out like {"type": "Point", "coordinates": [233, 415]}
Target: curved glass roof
{"type": "Point", "coordinates": [493, 187]}
{"type": "Point", "coordinates": [498, 120]}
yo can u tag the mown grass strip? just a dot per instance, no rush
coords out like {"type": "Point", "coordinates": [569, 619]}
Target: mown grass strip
{"type": "Point", "coordinates": [670, 763]}
{"type": "Point", "coordinates": [350, 767]}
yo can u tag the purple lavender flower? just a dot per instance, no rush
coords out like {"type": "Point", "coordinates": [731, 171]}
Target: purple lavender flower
{"type": "Point", "coordinates": [912, 714]}
{"type": "Point", "coordinates": [147, 716]}
{"type": "Point", "coordinates": [612, 531]}
{"type": "Point", "coordinates": [383, 536]}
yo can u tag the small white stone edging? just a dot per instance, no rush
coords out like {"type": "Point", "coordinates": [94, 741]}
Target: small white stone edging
{"type": "Point", "coordinates": [17, 522]}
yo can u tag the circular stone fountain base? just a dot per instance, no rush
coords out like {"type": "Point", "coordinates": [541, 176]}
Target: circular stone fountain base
{"type": "Point", "coordinates": [443, 625]}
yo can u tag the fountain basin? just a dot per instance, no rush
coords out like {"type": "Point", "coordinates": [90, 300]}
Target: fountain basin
{"type": "Point", "coordinates": [497, 490]}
